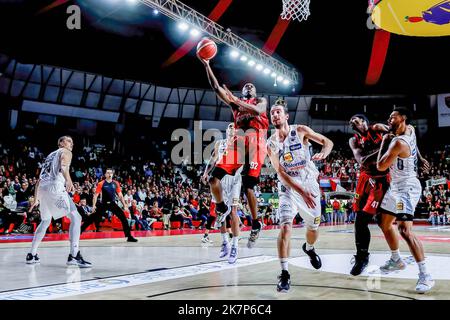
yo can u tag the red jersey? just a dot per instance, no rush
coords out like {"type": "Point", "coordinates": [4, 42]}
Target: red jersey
{"type": "Point", "coordinates": [370, 143]}
{"type": "Point", "coordinates": [246, 120]}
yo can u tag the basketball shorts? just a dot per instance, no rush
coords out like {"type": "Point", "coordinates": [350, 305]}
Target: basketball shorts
{"type": "Point", "coordinates": [249, 151]}
{"type": "Point", "coordinates": [231, 189]}
{"type": "Point", "coordinates": [401, 199]}
{"type": "Point", "coordinates": [370, 191]}
{"type": "Point", "coordinates": [54, 201]}
{"type": "Point", "coordinates": [291, 203]}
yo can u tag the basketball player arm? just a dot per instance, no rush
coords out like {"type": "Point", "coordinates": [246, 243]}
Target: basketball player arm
{"type": "Point", "coordinates": [221, 93]}
{"type": "Point", "coordinates": [287, 179]}
{"type": "Point", "coordinates": [327, 144]}
{"type": "Point", "coordinates": [66, 159]}
{"type": "Point", "coordinates": [211, 162]}
{"type": "Point", "coordinates": [236, 103]}
{"type": "Point", "coordinates": [425, 165]}
{"type": "Point", "coordinates": [386, 159]}
{"type": "Point", "coordinates": [382, 128]}
{"type": "Point", "coordinates": [36, 201]}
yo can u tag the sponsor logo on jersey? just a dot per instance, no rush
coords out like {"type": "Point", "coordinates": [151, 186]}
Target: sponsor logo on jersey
{"type": "Point", "coordinates": [288, 157]}
{"type": "Point", "coordinates": [400, 206]}
{"type": "Point", "coordinates": [295, 147]}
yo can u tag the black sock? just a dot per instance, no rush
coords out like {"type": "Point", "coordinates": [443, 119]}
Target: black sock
{"type": "Point", "coordinates": [362, 233]}
{"type": "Point", "coordinates": [256, 225]}
{"type": "Point", "coordinates": [221, 207]}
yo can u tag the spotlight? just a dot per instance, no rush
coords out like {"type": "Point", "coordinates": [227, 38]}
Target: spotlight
{"type": "Point", "coordinates": [286, 82]}
{"type": "Point", "coordinates": [132, 1]}
{"type": "Point", "coordinates": [273, 75]}
{"type": "Point", "coordinates": [266, 71]}
{"type": "Point", "coordinates": [183, 26]}
{"type": "Point", "coordinates": [244, 58]}
{"type": "Point", "coordinates": [259, 67]}
{"type": "Point", "coordinates": [155, 12]}
{"type": "Point", "coordinates": [234, 54]}
{"type": "Point", "coordinates": [280, 78]}
{"type": "Point", "coordinates": [194, 33]}
{"type": "Point", "coordinates": [251, 63]}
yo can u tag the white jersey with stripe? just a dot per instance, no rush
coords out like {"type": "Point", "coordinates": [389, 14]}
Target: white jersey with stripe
{"type": "Point", "coordinates": [51, 169]}
{"type": "Point", "coordinates": [405, 169]}
{"type": "Point", "coordinates": [294, 156]}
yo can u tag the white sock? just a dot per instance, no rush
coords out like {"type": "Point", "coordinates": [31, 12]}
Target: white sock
{"type": "Point", "coordinates": [284, 263]}
{"type": "Point", "coordinates": [74, 232]}
{"type": "Point", "coordinates": [422, 267]}
{"type": "Point", "coordinates": [309, 246]}
{"type": "Point", "coordinates": [395, 255]}
{"type": "Point", "coordinates": [234, 241]}
{"type": "Point", "coordinates": [225, 237]}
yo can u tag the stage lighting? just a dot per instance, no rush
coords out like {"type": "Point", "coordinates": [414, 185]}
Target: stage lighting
{"type": "Point", "coordinates": [183, 26]}
{"type": "Point", "coordinates": [234, 54]}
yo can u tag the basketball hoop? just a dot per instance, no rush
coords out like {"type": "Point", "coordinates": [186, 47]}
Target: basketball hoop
{"type": "Point", "coordinates": [295, 10]}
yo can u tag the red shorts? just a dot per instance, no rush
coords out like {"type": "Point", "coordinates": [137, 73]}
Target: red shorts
{"type": "Point", "coordinates": [247, 150]}
{"type": "Point", "coordinates": [370, 191]}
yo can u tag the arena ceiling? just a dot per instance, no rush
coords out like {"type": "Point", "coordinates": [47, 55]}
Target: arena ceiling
{"type": "Point", "coordinates": [331, 50]}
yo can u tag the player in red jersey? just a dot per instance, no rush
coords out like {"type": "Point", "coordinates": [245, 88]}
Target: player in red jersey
{"type": "Point", "coordinates": [372, 183]}
{"type": "Point", "coordinates": [248, 150]}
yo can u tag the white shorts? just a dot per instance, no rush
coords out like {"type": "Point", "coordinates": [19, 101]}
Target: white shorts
{"type": "Point", "coordinates": [402, 198]}
{"type": "Point", "coordinates": [292, 203]}
{"type": "Point", "coordinates": [231, 189]}
{"type": "Point", "coordinates": [54, 201]}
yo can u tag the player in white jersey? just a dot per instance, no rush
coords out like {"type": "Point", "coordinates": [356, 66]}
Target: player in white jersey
{"type": "Point", "coordinates": [398, 152]}
{"type": "Point", "coordinates": [52, 195]}
{"type": "Point", "coordinates": [298, 189]}
{"type": "Point", "coordinates": [231, 190]}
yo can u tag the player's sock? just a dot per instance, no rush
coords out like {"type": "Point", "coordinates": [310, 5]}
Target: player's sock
{"type": "Point", "coordinates": [395, 254]}
{"type": "Point", "coordinates": [224, 237]}
{"type": "Point", "coordinates": [74, 232]}
{"type": "Point", "coordinates": [309, 247]}
{"type": "Point", "coordinates": [422, 267]}
{"type": "Point", "coordinates": [284, 263]}
{"type": "Point", "coordinates": [234, 241]}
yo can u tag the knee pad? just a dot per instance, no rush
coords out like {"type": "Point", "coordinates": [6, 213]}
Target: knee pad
{"type": "Point", "coordinates": [249, 182]}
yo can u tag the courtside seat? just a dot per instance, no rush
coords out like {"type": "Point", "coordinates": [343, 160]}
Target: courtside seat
{"type": "Point", "coordinates": [157, 225]}
{"type": "Point", "coordinates": [175, 225]}
{"type": "Point", "coordinates": [196, 223]}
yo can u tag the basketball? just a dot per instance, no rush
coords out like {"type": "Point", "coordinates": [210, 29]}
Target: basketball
{"type": "Point", "coordinates": [206, 49]}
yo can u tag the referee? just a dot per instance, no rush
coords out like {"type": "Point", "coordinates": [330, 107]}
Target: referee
{"type": "Point", "coordinates": [109, 189]}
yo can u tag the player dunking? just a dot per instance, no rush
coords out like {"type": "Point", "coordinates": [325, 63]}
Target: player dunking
{"type": "Point", "coordinates": [52, 194]}
{"type": "Point", "coordinates": [399, 154]}
{"type": "Point", "coordinates": [298, 188]}
{"type": "Point", "coordinates": [249, 149]}
{"type": "Point", "coordinates": [231, 186]}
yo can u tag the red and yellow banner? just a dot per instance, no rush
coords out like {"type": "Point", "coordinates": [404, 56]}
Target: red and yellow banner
{"type": "Point", "coordinates": [425, 18]}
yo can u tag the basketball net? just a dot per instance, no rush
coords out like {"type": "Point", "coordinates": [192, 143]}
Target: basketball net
{"type": "Point", "coordinates": [295, 10]}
